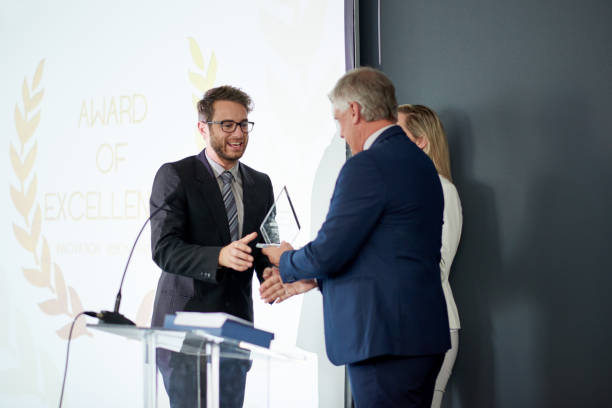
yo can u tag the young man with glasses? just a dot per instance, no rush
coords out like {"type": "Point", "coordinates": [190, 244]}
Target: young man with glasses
{"type": "Point", "coordinates": [204, 238]}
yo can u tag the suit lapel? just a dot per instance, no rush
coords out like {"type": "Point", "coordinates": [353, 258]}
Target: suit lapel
{"type": "Point", "coordinates": [212, 196]}
{"type": "Point", "coordinates": [248, 201]}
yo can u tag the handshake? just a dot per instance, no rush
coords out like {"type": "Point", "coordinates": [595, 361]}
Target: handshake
{"type": "Point", "coordinates": [272, 289]}
{"type": "Point", "coordinates": [237, 256]}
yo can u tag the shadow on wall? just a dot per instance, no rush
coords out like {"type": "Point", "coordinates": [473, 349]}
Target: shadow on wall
{"type": "Point", "coordinates": [473, 274]}
{"type": "Point", "coordinates": [310, 331]}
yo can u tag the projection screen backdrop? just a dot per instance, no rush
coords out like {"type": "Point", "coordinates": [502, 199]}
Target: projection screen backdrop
{"type": "Point", "coordinates": [96, 97]}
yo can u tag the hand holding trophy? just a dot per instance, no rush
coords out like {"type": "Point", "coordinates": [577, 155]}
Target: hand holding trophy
{"type": "Point", "coordinates": [281, 222]}
{"type": "Point", "coordinates": [280, 227]}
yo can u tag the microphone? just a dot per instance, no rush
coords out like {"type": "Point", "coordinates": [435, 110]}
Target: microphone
{"type": "Point", "coordinates": [115, 317]}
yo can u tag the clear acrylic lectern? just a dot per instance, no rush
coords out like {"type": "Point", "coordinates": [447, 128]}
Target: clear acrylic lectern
{"type": "Point", "coordinates": [211, 355]}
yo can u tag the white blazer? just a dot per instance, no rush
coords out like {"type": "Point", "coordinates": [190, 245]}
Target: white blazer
{"type": "Point", "coordinates": [451, 233]}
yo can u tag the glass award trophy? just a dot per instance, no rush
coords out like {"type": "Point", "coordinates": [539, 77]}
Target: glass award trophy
{"type": "Point", "coordinates": [281, 222]}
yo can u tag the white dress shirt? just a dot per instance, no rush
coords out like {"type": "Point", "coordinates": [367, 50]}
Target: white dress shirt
{"type": "Point", "coordinates": [372, 138]}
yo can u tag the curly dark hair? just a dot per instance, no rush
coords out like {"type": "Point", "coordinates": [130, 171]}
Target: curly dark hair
{"type": "Point", "coordinates": [222, 93]}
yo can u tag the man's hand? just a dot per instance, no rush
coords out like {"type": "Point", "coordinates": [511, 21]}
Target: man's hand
{"type": "Point", "coordinates": [274, 253]}
{"type": "Point", "coordinates": [237, 254]}
{"type": "Point", "coordinates": [274, 290]}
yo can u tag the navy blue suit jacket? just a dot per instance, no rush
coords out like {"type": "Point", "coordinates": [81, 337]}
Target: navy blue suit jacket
{"type": "Point", "coordinates": [377, 256]}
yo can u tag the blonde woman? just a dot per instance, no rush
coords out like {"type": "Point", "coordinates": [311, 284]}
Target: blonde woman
{"type": "Point", "coordinates": [424, 128]}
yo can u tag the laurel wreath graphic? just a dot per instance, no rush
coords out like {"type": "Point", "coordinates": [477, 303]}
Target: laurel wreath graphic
{"type": "Point", "coordinates": [202, 80]}
{"type": "Point", "coordinates": [47, 274]}
{"type": "Point", "coordinates": [65, 300]}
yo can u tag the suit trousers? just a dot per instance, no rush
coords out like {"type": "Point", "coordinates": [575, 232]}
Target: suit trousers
{"type": "Point", "coordinates": [394, 381]}
{"type": "Point", "coordinates": [184, 378]}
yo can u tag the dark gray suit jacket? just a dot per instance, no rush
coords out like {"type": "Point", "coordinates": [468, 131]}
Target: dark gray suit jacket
{"type": "Point", "coordinates": [188, 235]}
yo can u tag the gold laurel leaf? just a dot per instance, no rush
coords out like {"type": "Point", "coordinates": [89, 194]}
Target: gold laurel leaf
{"type": "Point", "coordinates": [28, 162]}
{"type": "Point", "coordinates": [79, 329]}
{"type": "Point", "coordinates": [196, 54]}
{"type": "Point", "coordinates": [24, 202]}
{"type": "Point", "coordinates": [33, 124]}
{"type": "Point", "coordinates": [35, 277]}
{"type": "Point", "coordinates": [19, 200]}
{"type": "Point", "coordinates": [64, 331]}
{"type": "Point", "coordinates": [25, 94]}
{"type": "Point", "coordinates": [145, 311]}
{"type": "Point", "coordinates": [60, 289]}
{"type": "Point", "coordinates": [18, 167]}
{"type": "Point", "coordinates": [195, 101]}
{"type": "Point", "coordinates": [198, 81]}
{"type": "Point", "coordinates": [45, 263]}
{"type": "Point", "coordinates": [25, 130]}
{"type": "Point", "coordinates": [24, 239]}
{"type": "Point", "coordinates": [30, 195]}
{"type": "Point", "coordinates": [211, 73]}
{"type": "Point", "coordinates": [75, 301]}
{"type": "Point", "coordinates": [33, 102]}
{"type": "Point", "coordinates": [51, 307]}
{"type": "Point", "coordinates": [21, 125]}
{"type": "Point", "coordinates": [38, 74]}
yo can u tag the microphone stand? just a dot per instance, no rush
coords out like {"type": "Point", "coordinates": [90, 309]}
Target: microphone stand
{"type": "Point", "coordinates": [115, 317]}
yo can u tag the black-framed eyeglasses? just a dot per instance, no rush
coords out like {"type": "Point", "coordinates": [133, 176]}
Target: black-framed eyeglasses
{"type": "Point", "coordinates": [229, 125]}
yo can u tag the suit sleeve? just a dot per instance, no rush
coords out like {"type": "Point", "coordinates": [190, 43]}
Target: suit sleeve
{"type": "Point", "coordinates": [169, 231]}
{"type": "Point", "coordinates": [356, 205]}
{"type": "Point", "coordinates": [261, 261]}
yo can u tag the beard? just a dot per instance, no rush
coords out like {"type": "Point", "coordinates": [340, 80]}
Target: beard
{"type": "Point", "coordinates": [219, 143]}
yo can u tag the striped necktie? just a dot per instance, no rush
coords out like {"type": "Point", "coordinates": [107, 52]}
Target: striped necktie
{"type": "Point", "coordinates": [230, 204]}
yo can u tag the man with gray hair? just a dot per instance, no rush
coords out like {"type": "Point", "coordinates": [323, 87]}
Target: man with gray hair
{"type": "Point", "coordinates": [376, 256]}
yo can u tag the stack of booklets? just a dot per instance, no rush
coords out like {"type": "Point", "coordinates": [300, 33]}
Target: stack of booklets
{"type": "Point", "coordinates": [219, 324]}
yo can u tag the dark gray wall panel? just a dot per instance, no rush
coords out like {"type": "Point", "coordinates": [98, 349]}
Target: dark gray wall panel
{"type": "Point", "coordinates": [525, 91]}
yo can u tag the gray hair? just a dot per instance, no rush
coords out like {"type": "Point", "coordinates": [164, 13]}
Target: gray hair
{"type": "Point", "coordinates": [371, 89]}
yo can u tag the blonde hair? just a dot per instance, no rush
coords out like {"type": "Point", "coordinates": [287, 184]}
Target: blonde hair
{"type": "Point", "coordinates": [421, 121]}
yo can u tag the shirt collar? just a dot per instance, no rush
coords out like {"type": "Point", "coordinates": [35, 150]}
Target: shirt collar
{"type": "Point", "coordinates": [219, 169]}
{"type": "Point", "coordinates": [372, 138]}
